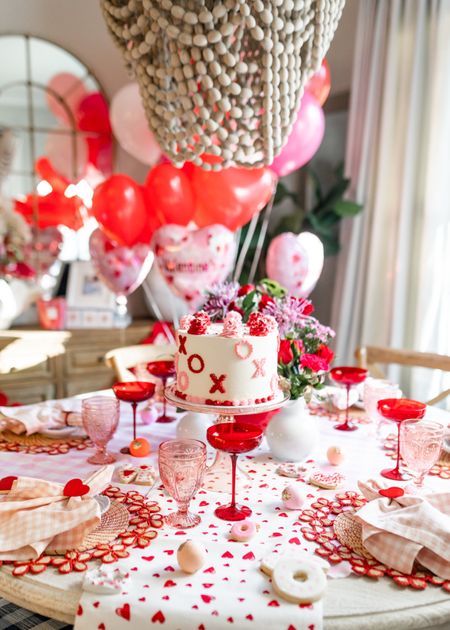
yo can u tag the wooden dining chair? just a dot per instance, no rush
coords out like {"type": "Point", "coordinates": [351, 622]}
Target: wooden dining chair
{"type": "Point", "coordinates": [121, 359]}
{"type": "Point", "coordinates": [370, 357]}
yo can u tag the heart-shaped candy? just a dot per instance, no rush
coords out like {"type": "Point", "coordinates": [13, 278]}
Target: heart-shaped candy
{"type": "Point", "coordinates": [6, 483]}
{"type": "Point", "coordinates": [394, 492]}
{"type": "Point", "coordinates": [75, 488]}
{"type": "Point", "coordinates": [192, 260]}
{"type": "Point", "coordinates": [295, 261]}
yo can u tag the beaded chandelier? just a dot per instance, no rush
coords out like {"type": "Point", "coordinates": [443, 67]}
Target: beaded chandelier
{"type": "Point", "coordinates": [222, 78]}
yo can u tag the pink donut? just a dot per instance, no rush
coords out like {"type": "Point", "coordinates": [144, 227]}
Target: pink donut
{"type": "Point", "coordinates": [242, 531]}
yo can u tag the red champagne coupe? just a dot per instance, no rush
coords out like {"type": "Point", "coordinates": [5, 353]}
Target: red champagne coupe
{"type": "Point", "coordinates": [398, 410]}
{"type": "Point", "coordinates": [133, 392]}
{"type": "Point", "coordinates": [163, 370]}
{"type": "Point", "coordinates": [347, 376]}
{"type": "Point", "coordinates": [234, 438]}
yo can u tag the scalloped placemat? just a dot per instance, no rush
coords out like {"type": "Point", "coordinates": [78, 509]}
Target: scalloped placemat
{"type": "Point", "coordinates": [36, 439]}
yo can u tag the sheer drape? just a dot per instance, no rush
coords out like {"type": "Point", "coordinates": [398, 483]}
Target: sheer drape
{"type": "Point", "coordinates": [393, 285]}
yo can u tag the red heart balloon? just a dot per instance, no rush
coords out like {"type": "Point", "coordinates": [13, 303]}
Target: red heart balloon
{"type": "Point", "coordinates": [6, 483]}
{"type": "Point", "coordinates": [119, 206]}
{"type": "Point", "coordinates": [170, 194]}
{"type": "Point", "coordinates": [392, 493]}
{"type": "Point", "coordinates": [75, 488]}
{"type": "Point", "coordinates": [232, 196]}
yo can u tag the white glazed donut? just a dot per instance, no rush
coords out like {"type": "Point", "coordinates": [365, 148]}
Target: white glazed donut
{"type": "Point", "coordinates": [243, 531]}
{"type": "Point", "coordinates": [268, 562]}
{"type": "Point", "coordinates": [299, 581]}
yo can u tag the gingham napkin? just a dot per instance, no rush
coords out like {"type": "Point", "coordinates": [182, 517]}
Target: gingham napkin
{"type": "Point", "coordinates": [398, 532]}
{"type": "Point", "coordinates": [35, 515]}
{"type": "Point", "coordinates": [38, 418]}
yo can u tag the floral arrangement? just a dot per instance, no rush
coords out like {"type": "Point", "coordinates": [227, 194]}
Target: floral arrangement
{"type": "Point", "coordinates": [304, 355]}
{"type": "Point", "coordinates": [15, 237]}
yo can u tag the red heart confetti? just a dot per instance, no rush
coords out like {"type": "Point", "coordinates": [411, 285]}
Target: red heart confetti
{"type": "Point", "coordinates": [158, 617]}
{"type": "Point", "coordinates": [124, 612]}
{"type": "Point", "coordinates": [96, 604]}
{"type": "Point", "coordinates": [391, 493]}
{"type": "Point", "coordinates": [75, 488]}
{"type": "Point", "coordinates": [80, 610]}
{"type": "Point", "coordinates": [6, 483]}
{"type": "Point", "coordinates": [207, 598]}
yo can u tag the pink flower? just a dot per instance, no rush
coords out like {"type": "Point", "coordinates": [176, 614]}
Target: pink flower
{"type": "Point", "coordinates": [261, 325]}
{"type": "Point", "coordinates": [314, 362]}
{"type": "Point", "coordinates": [233, 326]}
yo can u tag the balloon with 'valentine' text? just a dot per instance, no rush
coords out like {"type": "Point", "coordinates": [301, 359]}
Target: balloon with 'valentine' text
{"type": "Point", "coordinates": [121, 269]}
{"type": "Point", "coordinates": [319, 84]}
{"type": "Point", "coordinates": [304, 140]}
{"type": "Point", "coordinates": [170, 194]}
{"type": "Point", "coordinates": [119, 206]}
{"type": "Point", "coordinates": [191, 261]}
{"type": "Point", "coordinates": [295, 261]}
{"type": "Point", "coordinates": [232, 196]}
{"type": "Point", "coordinates": [130, 125]}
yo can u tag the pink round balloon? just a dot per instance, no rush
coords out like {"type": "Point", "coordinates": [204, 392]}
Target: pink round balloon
{"type": "Point", "coordinates": [295, 261]}
{"type": "Point", "coordinates": [130, 125]}
{"type": "Point", "coordinates": [191, 261]}
{"type": "Point", "coordinates": [71, 89]}
{"type": "Point", "coordinates": [45, 249]}
{"type": "Point", "coordinates": [304, 139]}
{"type": "Point", "coordinates": [122, 269]}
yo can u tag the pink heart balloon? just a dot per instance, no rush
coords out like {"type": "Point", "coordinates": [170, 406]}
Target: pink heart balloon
{"type": "Point", "coordinates": [295, 261]}
{"type": "Point", "coordinates": [45, 249]}
{"type": "Point", "coordinates": [192, 260]}
{"type": "Point", "coordinates": [122, 269]}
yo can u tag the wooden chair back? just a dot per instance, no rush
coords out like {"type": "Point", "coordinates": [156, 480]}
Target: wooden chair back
{"type": "Point", "coordinates": [370, 357]}
{"type": "Point", "coordinates": [120, 359]}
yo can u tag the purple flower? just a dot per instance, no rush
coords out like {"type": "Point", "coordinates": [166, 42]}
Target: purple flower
{"type": "Point", "coordinates": [219, 298]}
{"type": "Point", "coordinates": [289, 312]}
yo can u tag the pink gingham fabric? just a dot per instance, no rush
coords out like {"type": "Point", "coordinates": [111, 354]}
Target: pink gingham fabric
{"type": "Point", "coordinates": [31, 419]}
{"type": "Point", "coordinates": [35, 516]}
{"type": "Point", "coordinates": [398, 532]}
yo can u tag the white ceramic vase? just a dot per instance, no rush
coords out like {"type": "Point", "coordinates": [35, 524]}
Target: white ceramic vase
{"type": "Point", "coordinates": [292, 434]}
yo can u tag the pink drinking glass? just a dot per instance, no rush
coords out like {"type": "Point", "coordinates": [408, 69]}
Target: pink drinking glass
{"type": "Point", "coordinates": [421, 444]}
{"type": "Point", "coordinates": [399, 410]}
{"type": "Point", "coordinates": [347, 376]}
{"type": "Point", "coordinates": [182, 465]}
{"type": "Point", "coordinates": [100, 417]}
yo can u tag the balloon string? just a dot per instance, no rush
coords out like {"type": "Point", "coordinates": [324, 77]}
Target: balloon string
{"type": "Point", "coordinates": [245, 246]}
{"type": "Point", "coordinates": [157, 312]}
{"type": "Point", "coordinates": [262, 236]}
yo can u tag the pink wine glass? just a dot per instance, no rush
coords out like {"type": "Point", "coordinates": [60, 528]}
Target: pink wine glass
{"type": "Point", "coordinates": [100, 416]}
{"type": "Point", "coordinates": [133, 392]}
{"type": "Point", "coordinates": [347, 376]}
{"type": "Point", "coordinates": [234, 438]}
{"type": "Point", "coordinates": [164, 370]}
{"type": "Point", "coordinates": [399, 410]}
{"type": "Point", "coordinates": [182, 465]}
{"type": "Point", "coordinates": [421, 446]}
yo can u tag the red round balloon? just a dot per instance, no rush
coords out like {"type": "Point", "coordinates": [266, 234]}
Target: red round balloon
{"type": "Point", "coordinates": [119, 206]}
{"type": "Point", "coordinates": [169, 192]}
{"type": "Point", "coordinates": [319, 84]}
{"type": "Point", "coordinates": [232, 196]}
{"type": "Point", "coordinates": [93, 114]}
{"type": "Point", "coordinates": [154, 218]}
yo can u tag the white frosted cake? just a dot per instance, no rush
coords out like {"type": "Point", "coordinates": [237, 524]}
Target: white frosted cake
{"type": "Point", "coordinates": [228, 363]}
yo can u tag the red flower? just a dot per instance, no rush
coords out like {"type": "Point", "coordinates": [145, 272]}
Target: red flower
{"type": "Point", "coordinates": [233, 307]}
{"type": "Point", "coordinates": [285, 354]}
{"type": "Point", "coordinates": [324, 352]}
{"type": "Point", "coordinates": [245, 288]}
{"type": "Point", "coordinates": [264, 301]}
{"type": "Point", "coordinates": [313, 362]}
{"type": "Point", "coordinates": [308, 308]}
{"type": "Point", "coordinates": [260, 325]}
{"type": "Point", "coordinates": [199, 325]}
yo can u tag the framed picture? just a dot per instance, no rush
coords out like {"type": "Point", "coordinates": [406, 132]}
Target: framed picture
{"type": "Point", "coordinates": [86, 291]}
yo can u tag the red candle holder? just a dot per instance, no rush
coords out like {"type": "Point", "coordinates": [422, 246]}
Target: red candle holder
{"type": "Point", "coordinates": [133, 392]}
{"type": "Point", "coordinates": [234, 438]}
{"type": "Point", "coordinates": [347, 376]}
{"type": "Point", "coordinates": [398, 410]}
{"type": "Point", "coordinates": [163, 370]}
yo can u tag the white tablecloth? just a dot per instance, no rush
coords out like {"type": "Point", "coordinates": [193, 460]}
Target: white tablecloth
{"type": "Point", "coordinates": [350, 603]}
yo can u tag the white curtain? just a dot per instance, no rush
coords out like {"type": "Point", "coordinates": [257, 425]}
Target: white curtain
{"type": "Point", "coordinates": [393, 284]}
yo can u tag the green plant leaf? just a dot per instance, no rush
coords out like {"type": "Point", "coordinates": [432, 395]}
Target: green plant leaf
{"type": "Point", "coordinates": [346, 208]}
{"type": "Point", "coordinates": [283, 193]}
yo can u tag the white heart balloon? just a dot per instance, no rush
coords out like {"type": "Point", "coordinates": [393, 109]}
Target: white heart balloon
{"type": "Point", "coordinates": [295, 261]}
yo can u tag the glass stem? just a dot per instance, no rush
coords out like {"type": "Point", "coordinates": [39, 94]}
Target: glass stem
{"type": "Point", "coordinates": [134, 406]}
{"type": "Point", "coordinates": [183, 507]}
{"type": "Point", "coordinates": [397, 467]}
{"type": "Point", "coordinates": [164, 396]}
{"type": "Point", "coordinates": [347, 387]}
{"type": "Point", "coordinates": [233, 479]}
{"type": "Point", "coordinates": [420, 479]}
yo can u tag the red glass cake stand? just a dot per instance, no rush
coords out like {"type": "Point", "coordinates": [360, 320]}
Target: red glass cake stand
{"type": "Point", "coordinates": [133, 392]}
{"type": "Point", "coordinates": [218, 474]}
{"type": "Point", "coordinates": [398, 410]}
{"type": "Point", "coordinates": [347, 376]}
